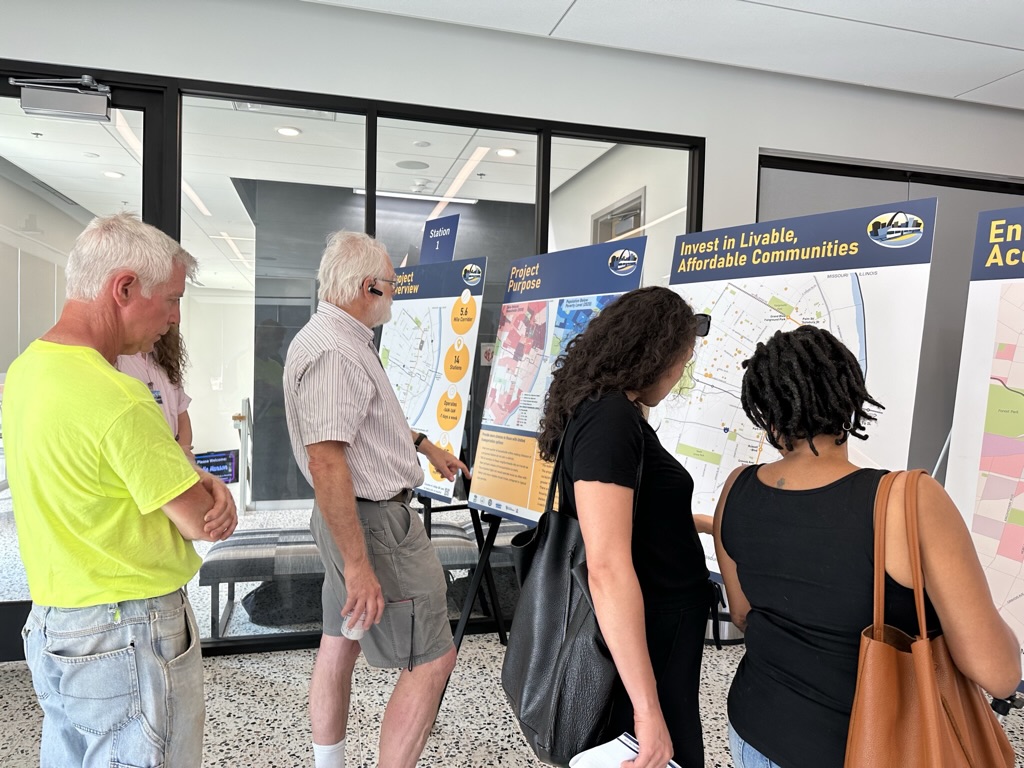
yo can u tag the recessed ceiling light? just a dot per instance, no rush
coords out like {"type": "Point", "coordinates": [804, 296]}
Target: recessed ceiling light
{"type": "Point", "coordinates": [288, 131]}
{"type": "Point", "coordinates": [113, 174]}
{"type": "Point", "coordinates": [508, 152]}
{"type": "Point", "coordinates": [90, 154]}
{"type": "Point", "coordinates": [412, 165]}
{"type": "Point", "coordinates": [421, 143]}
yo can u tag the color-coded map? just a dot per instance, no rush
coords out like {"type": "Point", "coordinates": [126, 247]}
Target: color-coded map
{"type": "Point", "coordinates": [997, 524]}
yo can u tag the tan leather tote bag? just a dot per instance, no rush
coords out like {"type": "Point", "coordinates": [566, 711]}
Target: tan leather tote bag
{"type": "Point", "coordinates": [913, 708]}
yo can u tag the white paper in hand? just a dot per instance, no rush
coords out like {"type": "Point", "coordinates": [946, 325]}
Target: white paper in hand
{"type": "Point", "coordinates": [611, 754]}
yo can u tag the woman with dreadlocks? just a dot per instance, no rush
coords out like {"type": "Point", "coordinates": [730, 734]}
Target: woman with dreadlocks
{"type": "Point", "coordinates": [795, 543]}
{"type": "Point", "coordinates": [161, 370]}
{"type": "Point", "coordinates": [647, 574]}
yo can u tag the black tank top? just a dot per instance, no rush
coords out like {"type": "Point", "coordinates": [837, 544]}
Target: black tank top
{"type": "Point", "coordinates": [805, 561]}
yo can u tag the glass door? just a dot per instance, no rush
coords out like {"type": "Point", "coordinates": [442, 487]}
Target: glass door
{"type": "Point", "coordinates": [55, 176]}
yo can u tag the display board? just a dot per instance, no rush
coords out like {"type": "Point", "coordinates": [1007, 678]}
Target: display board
{"type": "Point", "coordinates": [549, 299]}
{"type": "Point", "coordinates": [427, 350]}
{"type": "Point", "coordinates": [862, 274]}
{"type": "Point", "coordinates": [985, 473]}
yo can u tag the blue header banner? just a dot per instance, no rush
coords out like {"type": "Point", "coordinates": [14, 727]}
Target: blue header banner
{"type": "Point", "coordinates": [593, 269]}
{"type": "Point", "coordinates": [998, 244]}
{"type": "Point", "coordinates": [861, 238]}
{"type": "Point", "coordinates": [438, 244]}
{"type": "Point", "coordinates": [433, 281]}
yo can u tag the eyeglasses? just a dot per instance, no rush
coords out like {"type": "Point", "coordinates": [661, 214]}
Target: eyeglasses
{"type": "Point", "coordinates": [394, 283]}
{"type": "Point", "coordinates": [702, 324]}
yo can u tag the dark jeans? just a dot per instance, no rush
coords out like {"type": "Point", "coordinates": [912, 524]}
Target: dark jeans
{"type": "Point", "coordinates": [675, 641]}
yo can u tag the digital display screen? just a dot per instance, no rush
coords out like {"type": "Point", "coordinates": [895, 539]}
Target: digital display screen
{"type": "Point", "coordinates": [222, 464]}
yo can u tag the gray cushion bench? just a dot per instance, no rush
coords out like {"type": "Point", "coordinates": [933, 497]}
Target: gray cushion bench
{"type": "Point", "coordinates": [281, 553]}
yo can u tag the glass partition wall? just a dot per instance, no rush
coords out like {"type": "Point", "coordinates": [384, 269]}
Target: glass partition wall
{"type": "Point", "coordinates": [265, 177]}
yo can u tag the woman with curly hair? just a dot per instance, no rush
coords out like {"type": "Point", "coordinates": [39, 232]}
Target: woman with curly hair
{"type": "Point", "coordinates": [647, 574]}
{"type": "Point", "coordinates": [795, 543]}
{"type": "Point", "coordinates": [162, 371]}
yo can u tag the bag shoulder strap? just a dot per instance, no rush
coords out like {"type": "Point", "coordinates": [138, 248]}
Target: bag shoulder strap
{"type": "Point", "coordinates": [914, 545]}
{"type": "Point", "coordinates": [881, 508]}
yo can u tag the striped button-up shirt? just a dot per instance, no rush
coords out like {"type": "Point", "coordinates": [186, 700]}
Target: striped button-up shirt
{"type": "Point", "coordinates": [335, 389]}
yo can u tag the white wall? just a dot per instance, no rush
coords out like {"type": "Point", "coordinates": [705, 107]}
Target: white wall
{"type": "Point", "coordinates": [319, 48]}
{"type": "Point", "coordinates": [35, 238]}
{"type": "Point", "coordinates": [662, 173]}
{"type": "Point", "coordinates": [217, 327]}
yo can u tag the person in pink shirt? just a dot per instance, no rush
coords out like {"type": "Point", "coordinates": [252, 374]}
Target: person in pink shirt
{"type": "Point", "coordinates": [161, 370]}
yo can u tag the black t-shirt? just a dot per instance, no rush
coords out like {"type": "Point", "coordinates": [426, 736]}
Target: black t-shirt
{"type": "Point", "coordinates": [603, 443]}
{"type": "Point", "coordinates": [805, 560]}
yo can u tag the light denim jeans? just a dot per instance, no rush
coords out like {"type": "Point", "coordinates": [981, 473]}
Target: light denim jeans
{"type": "Point", "coordinates": [120, 684]}
{"type": "Point", "coordinates": [744, 755]}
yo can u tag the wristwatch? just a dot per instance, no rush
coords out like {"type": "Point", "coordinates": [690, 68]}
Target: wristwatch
{"type": "Point", "coordinates": [420, 437]}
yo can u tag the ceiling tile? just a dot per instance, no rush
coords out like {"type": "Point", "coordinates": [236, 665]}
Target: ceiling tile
{"type": "Point", "coordinates": [995, 22]}
{"type": "Point", "coordinates": [779, 40]}
{"type": "Point", "coordinates": [531, 17]}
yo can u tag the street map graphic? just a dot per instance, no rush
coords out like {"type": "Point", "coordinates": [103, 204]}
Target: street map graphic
{"type": "Point", "coordinates": [410, 351]}
{"type": "Point", "coordinates": [702, 420]}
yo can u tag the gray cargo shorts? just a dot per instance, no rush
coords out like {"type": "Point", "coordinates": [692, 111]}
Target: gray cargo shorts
{"type": "Point", "coordinates": [414, 628]}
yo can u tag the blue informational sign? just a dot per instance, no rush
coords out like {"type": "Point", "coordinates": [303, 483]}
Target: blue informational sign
{"type": "Point", "coordinates": [998, 245]}
{"type": "Point", "coordinates": [439, 235]}
{"type": "Point", "coordinates": [549, 299]}
{"type": "Point", "coordinates": [862, 238]}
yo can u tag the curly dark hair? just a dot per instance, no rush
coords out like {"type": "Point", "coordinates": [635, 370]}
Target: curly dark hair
{"type": "Point", "coordinates": [804, 383]}
{"type": "Point", "coordinates": [169, 353]}
{"type": "Point", "coordinates": [626, 347]}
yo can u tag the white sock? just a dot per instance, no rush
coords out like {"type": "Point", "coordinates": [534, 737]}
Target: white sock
{"type": "Point", "coordinates": [332, 756]}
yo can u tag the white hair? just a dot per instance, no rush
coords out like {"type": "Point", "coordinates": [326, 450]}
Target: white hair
{"type": "Point", "coordinates": [118, 242]}
{"type": "Point", "coordinates": [350, 258]}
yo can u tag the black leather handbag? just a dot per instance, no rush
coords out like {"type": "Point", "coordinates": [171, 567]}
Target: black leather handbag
{"type": "Point", "coordinates": [558, 674]}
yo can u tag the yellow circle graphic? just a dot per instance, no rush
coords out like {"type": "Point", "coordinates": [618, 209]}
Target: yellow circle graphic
{"type": "Point", "coordinates": [456, 361]}
{"type": "Point", "coordinates": [446, 445]}
{"type": "Point", "coordinates": [449, 409]}
{"type": "Point", "coordinates": [464, 313]}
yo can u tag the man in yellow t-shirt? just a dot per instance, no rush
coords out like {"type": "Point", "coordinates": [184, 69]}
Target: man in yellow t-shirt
{"type": "Point", "coordinates": [106, 507]}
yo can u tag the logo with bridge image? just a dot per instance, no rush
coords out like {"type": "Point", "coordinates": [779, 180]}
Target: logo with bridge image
{"type": "Point", "coordinates": [472, 274]}
{"type": "Point", "coordinates": [623, 262]}
{"type": "Point", "coordinates": [896, 230]}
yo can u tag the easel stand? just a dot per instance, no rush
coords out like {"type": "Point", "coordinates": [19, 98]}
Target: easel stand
{"type": "Point", "coordinates": [481, 571]}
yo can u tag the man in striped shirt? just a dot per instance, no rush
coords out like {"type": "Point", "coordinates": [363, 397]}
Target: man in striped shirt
{"type": "Point", "coordinates": [353, 444]}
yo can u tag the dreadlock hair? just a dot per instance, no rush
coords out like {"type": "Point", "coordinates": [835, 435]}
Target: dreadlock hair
{"type": "Point", "coordinates": [628, 346]}
{"type": "Point", "coordinates": [169, 353]}
{"type": "Point", "coordinates": [804, 383]}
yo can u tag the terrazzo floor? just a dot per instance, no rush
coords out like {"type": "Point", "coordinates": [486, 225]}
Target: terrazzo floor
{"type": "Point", "coordinates": [256, 712]}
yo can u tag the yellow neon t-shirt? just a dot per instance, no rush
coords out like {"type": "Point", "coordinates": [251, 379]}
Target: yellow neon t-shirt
{"type": "Point", "coordinates": [90, 463]}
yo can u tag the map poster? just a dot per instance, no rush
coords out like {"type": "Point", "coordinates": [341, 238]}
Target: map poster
{"type": "Point", "coordinates": [439, 239]}
{"type": "Point", "coordinates": [427, 350]}
{"type": "Point", "coordinates": [549, 299]}
{"type": "Point", "coordinates": [985, 474]}
{"type": "Point", "coordinates": [861, 274]}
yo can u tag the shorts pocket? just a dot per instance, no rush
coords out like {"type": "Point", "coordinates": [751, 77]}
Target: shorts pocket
{"type": "Point", "coordinates": [393, 527]}
{"type": "Point", "coordinates": [170, 633]}
{"type": "Point", "coordinates": [100, 693]}
{"type": "Point", "coordinates": [33, 640]}
{"type": "Point", "coordinates": [399, 626]}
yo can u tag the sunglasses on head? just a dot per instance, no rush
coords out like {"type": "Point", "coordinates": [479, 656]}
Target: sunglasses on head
{"type": "Point", "coordinates": [702, 324]}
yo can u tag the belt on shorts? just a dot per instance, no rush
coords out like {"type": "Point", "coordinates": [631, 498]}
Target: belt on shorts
{"type": "Point", "coordinates": [403, 497]}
